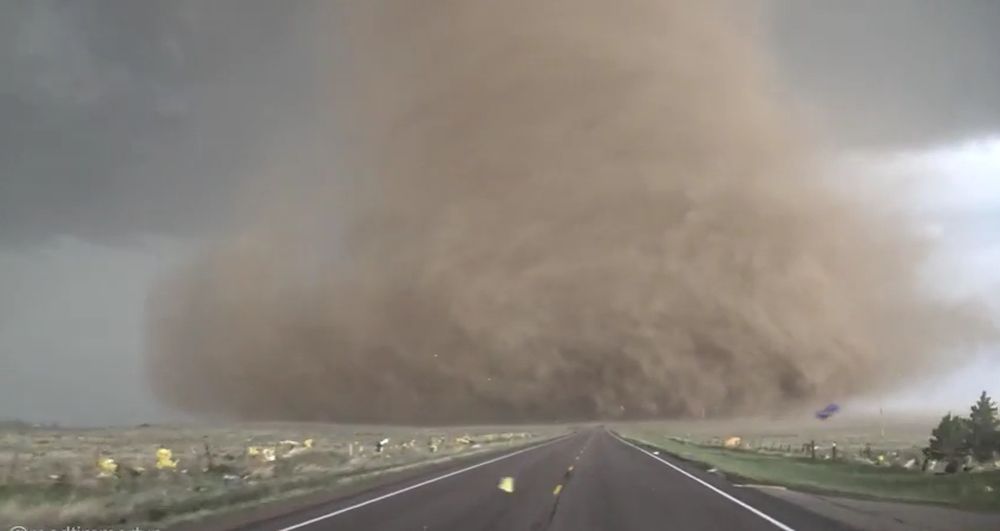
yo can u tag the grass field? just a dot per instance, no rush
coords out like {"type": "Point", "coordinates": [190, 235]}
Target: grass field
{"type": "Point", "coordinates": [52, 477]}
{"type": "Point", "coordinates": [771, 452]}
{"type": "Point", "coordinates": [898, 439]}
{"type": "Point", "coordinates": [58, 477]}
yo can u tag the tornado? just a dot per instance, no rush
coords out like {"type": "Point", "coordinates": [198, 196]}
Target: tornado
{"type": "Point", "coordinates": [550, 212]}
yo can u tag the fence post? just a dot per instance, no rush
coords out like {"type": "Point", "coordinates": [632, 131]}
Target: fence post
{"type": "Point", "coordinates": [210, 465]}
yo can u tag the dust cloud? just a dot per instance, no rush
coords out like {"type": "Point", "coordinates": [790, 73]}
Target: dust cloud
{"type": "Point", "coordinates": [551, 211]}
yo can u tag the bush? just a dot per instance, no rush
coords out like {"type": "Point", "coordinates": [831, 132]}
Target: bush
{"type": "Point", "coordinates": [955, 437]}
{"type": "Point", "coordinates": [949, 441]}
{"type": "Point", "coordinates": [983, 425]}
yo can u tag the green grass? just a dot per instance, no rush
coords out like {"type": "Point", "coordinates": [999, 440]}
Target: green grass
{"type": "Point", "coordinates": [978, 490]}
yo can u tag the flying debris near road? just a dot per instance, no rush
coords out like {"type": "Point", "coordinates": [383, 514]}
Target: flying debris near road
{"type": "Point", "coordinates": [827, 412]}
{"type": "Point", "coordinates": [506, 484]}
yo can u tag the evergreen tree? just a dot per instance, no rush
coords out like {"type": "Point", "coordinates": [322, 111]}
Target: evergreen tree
{"type": "Point", "coordinates": [983, 424]}
{"type": "Point", "coordinates": [949, 441]}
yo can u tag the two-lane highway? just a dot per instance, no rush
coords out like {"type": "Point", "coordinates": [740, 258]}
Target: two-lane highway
{"type": "Point", "coordinates": [590, 480]}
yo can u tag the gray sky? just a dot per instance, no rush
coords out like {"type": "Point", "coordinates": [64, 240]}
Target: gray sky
{"type": "Point", "coordinates": [128, 118]}
{"type": "Point", "coordinates": [129, 128]}
{"type": "Point", "coordinates": [894, 73]}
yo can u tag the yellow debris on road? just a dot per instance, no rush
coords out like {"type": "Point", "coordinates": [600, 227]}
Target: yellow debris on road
{"type": "Point", "coordinates": [506, 484]}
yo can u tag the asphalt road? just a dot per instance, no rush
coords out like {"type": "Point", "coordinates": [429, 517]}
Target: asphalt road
{"type": "Point", "coordinates": [590, 480]}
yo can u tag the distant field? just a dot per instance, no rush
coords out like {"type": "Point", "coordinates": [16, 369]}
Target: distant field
{"type": "Point", "coordinates": [897, 442]}
{"type": "Point", "coordinates": [776, 452]}
{"type": "Point", "coordinates": [850, 433]}
{"type": "Point", "coordinates": [61, 477]}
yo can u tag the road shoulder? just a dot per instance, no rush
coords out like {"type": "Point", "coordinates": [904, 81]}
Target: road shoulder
{"type": "Point", "coordinates": [855, 512]}
{"type": "Point", "coordinates": [870, 515]}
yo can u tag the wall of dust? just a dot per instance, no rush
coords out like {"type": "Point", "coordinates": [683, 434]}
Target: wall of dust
{"type": "Point", "coordinates": [550, 211]}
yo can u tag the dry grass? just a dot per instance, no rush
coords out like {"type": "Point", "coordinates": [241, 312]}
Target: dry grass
{"type": "Point", "coordinates": [870, 462]}
{"type": "Point", "coordinates": [51, 477]}
{"type": "Point", "coordinates": [898, 440]}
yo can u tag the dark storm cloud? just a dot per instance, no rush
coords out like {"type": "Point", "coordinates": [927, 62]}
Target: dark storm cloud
{"type": "Point", "coordinates": [121, 118]}
{"type": "Point", "coordinates": [124, 117]}
{"type": "Point", "coordinates": [894, 72]}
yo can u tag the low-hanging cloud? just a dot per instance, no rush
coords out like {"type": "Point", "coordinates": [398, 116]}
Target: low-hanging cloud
{"type": "Point", "coordinates": [544, 211]}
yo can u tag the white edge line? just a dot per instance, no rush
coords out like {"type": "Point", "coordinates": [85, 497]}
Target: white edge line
{"type": "Point", "coordinates": [418, 485]}
{"type": "Point", "coordinates": [713, 488]}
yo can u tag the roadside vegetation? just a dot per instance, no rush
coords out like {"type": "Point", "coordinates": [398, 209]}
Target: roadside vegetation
{"type": "Point", "coordinates": [957, 465]}
{"type": "Point", "coordinates": [967, 441]}
{"type": "Point", "coordinates": [162, 475]}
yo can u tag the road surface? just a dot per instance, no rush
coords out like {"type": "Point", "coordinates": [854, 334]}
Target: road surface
{"type": "Point", "coordinates": [590, 480]}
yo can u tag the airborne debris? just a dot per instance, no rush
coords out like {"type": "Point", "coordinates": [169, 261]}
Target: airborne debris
{"type": "Point", "coordinates": [506, 484]}
{"type": "Point", "coordinates": [827, 412]}
{"type": "Point", "coordinates": [107, 467]}
{"type": "Point", "coordinates": [165, 459]}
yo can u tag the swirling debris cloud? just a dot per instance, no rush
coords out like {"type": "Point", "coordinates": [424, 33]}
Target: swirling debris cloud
{"type": "Point", "coordinates": [550, 211]}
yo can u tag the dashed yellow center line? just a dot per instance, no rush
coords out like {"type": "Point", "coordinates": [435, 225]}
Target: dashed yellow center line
{"type": "Point", "coordinates": [570, 469]}
{"type": "Point", "coordinates": [557, 490]}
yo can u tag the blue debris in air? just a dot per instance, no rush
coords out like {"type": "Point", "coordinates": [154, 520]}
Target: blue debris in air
{"type": "Point", "coordinates": [827, 412]}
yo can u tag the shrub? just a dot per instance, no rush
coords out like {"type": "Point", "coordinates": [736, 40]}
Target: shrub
{"type": "Point", "coordinates": [983, 425]}
{"type": "Point", "coordinates": [949, 440]}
